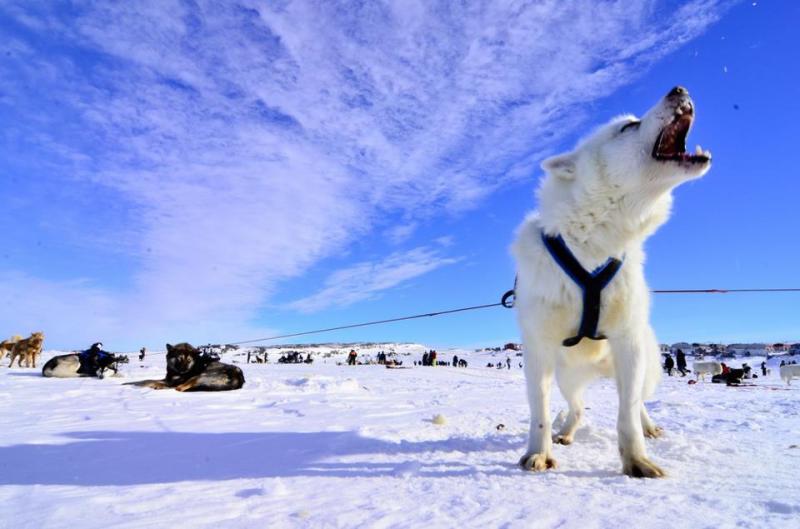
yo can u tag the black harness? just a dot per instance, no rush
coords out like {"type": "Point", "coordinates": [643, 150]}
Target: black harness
{"type": "Point", "coordinates": [592, 283]}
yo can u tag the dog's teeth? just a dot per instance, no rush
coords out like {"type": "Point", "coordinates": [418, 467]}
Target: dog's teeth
{"type": "Point", "coordinates": [678, 111]}
{"type": "Point", "coordinates": [707, 154]}
{"type": "Point", "coordinates": [698, 149]}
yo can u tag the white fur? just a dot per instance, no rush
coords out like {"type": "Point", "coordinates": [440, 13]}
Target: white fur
{"type": "Point", "coordinates": [604, 198]}
{"type": "Point", "coordinates": [790, 371]}
{"type": "Point", "coordinates": [710, 367]}
{"type": "Point", "coordinates": [66, 367]}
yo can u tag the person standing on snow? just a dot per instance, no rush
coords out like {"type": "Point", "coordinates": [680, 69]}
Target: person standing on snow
{"type": "Point", "coordinates": [681, 357]}
{"type": "Point", "coordinates": [669, 364]}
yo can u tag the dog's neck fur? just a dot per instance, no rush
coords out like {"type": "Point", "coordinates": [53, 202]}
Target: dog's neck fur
{"type": "Point", "coordinates": [597, 224]}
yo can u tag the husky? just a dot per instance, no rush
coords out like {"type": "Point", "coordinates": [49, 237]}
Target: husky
{"type": "Point", "coordinates": [6, 346]}
{"type": "Point", "coordinates": [710, 367]}
{"type": "Point", "coordinates": [789, 371]}
{"type": "Point", "coordinates": [27, 350]}
{"type": "Point", "coordinates": [78, 365]}
{"type": "Point", "coordinates": [190, 370]}
{"type": "Point", "coordinates": [597, 205]}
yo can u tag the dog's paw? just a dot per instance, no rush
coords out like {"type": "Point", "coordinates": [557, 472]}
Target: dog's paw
{"type": "Point", "coordinates": [537, 462]}
{"type": "Point", "coordinates": [562, 439]}
{"type": "Point", "coordinates": [641, 467]}
{"type": "Point", "coordinates": [653, 432]}
{"type": "Point", "coordinates": [182, 387]}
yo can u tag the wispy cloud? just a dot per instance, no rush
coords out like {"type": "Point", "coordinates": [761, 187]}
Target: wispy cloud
{"type": "Point", "coordinates": [401, 232]}
{"type": "Point", "coordinates": [366, 280]}
{"type": "Point", "coordinates": [255, 139]}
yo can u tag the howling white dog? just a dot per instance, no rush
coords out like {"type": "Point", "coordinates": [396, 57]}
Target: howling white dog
{"type": "Point", "coordinates": [582, 300]}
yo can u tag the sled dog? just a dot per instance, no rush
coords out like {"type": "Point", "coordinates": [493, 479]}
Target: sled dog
{"type": "Point", "coordinates": [709, 367]}
{"type": "Point", "coordinates": [71, 365]}
{"type": "Point", "coordinates": [789, 371]}
{"type": "Point", "coordinates": [581, 297]}
{"type": "Point", "coordinates": [27, 350]}
{"type": "Point", "coordinates": [190, 370]}
{"type": "Point", "coordinates": [7, 345]}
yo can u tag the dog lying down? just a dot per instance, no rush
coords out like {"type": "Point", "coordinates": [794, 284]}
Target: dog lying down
{"type": "Point", "coordinates": [190, 370]}
{"type": "Point", "coordinates": [83, 365]}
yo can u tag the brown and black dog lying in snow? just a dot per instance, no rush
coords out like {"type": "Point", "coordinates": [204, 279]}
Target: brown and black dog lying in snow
{"type": "Point", "coordinates": [188, 369]}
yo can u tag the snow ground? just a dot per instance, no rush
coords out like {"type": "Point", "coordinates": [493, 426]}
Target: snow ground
{"type": "Point", "coordinates": [324, 445]}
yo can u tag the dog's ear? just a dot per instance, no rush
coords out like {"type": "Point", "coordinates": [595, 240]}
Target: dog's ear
{"type": "Point", "coordinates": [562, 166]}
{"type": "Point", "coordinates": [169, 348]}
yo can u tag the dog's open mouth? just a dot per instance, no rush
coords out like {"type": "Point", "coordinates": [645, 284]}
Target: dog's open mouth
{"type": "Point", "coordinates": [671, 142]}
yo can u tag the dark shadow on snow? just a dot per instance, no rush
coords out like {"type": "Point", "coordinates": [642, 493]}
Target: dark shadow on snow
{"type": "Point", "coordinates": [134, 458]}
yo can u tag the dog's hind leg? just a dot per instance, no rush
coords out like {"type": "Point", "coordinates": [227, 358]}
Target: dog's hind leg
{"type": "Point", "coordinates": [571, 382]}
{"type": "Point", "coordinates": [650, 429]}
{"type": "Point", "coordinates": [651, 379]}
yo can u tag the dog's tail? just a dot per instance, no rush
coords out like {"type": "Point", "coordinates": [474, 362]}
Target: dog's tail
{"type": "Point", "coordinates": [153, 384]}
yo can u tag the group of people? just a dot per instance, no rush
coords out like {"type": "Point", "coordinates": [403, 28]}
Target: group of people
{"type": "Point", "coordinates": [381, 358]}
{"type": "Point", "coordinates": [459, 362]}
{"type": "Point", "coordinates": [728, 375]}
{"type": "Point", "coordinates": [502, 365]}
{"type": "Point", "coordinates": [294, 357]}
{"type": "Point", "coordinates": [669, 363]}
{"type": "Point", "coordinates": [429, 358]}
{"type": "Point", "coordinates": [257, 358]}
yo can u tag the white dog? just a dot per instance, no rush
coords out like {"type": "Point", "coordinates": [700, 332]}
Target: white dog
{"type": "Point", "coordinates": [710, 367]}
{"type": "Point", "coordinates": [789, 371]}
{"type": "Point", "coordinates": [597, 205]}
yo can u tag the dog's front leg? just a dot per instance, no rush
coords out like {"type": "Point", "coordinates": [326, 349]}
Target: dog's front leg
{"type": "Point", "coordinates": [630, 370]}
{"type": "Point", "coordinates": [539, 376]}
{"type": "Point", "coordinates": [189, 384]}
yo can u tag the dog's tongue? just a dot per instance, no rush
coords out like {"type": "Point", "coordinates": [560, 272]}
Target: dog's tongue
{"type": "Point", "coordinates": [673, 137]}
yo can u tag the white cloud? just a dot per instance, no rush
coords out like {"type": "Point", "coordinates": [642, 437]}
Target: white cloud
{"type": "Point", "coordinates": [74, 314]}
{"type": "Point", "coordinates": [366, 280]}
{"type": "Point", "coordinates": [255, 139]}
{"type": "Point", "coordinates": [401, 232]}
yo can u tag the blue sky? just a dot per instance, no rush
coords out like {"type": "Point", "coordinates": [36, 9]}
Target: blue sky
{"type": "Point", "coordinates": [218, 171]}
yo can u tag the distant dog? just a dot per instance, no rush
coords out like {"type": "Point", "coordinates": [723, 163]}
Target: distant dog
{"type": "Point", "coordinates": [27, 350]}
{"type": "Point", "coordinates": [7, 345]}
{"type": "Point", "coordinates": [710, 367]}
{"type": "Point", "coordinates": [70, 366]}
{"type": "Point", "coordinates": [733, 377]}
{"type": "Point", "coordinates": [790, 371]}
{"type": "Point", "coordinates": [190, 370]}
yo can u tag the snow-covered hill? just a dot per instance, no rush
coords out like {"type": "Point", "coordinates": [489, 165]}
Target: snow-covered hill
{"type": "Point", "coordinates": [327, 445]}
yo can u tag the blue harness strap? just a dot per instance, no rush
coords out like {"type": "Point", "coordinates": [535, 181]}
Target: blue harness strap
{"type": "Point", "coordinates": [591, 283]}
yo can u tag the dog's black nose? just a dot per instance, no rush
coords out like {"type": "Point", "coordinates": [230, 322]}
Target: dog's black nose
{"type": "Point", "coordinates": [678, 91]}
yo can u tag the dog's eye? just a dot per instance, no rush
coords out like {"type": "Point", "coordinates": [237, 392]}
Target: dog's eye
{"type": "Point", "coordinates": [631, 124]}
